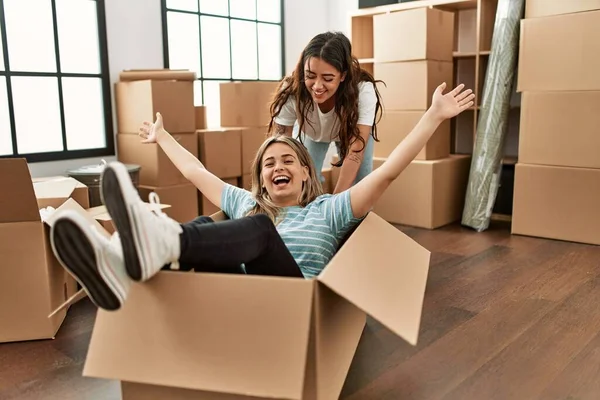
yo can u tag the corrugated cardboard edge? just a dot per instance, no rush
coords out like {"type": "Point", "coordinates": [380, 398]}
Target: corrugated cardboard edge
{"type": "Point", "coordinates": [388, 281]}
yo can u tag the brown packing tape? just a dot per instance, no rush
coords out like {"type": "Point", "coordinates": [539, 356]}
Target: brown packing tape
{"type": "Point", "coordinates": [157, 74]}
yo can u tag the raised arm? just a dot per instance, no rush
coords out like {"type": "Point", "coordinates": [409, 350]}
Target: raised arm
{"type": "Point", "coordinates": [365, 193]}
{"type": "Point", "coordinates": [191, 168]}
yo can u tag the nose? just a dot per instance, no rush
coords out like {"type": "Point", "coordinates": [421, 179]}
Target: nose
{"type": "Point", "coordinates": [318, 84]}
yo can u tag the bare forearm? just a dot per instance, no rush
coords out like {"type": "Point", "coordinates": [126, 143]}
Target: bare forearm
{"type": "Point", "coordinates": [185, 161]}
{"type": "Point", "coordinates": [348, 172]}
{"type": "Point", "coordinates": [410, 147]}
{"type": "Point", "coordinates": [282, 130]}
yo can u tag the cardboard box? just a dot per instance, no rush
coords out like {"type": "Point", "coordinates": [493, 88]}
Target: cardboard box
{"type": "Point", "coordinates": [395, 125]}
{"type": "Point", "coordinates": [560, 129]}
{"type": "Point", "coordinates": [242, 336]}
{"type": "Point", "coordinates": [220, 151]}
{"type": "Point", "coordinates": [32, 282]}
{"type": "Point", "coordinates": [183, 200]}
{"type": "Point", "coordinates": [200, 112]}
{"type": "Point", "coordinates": [410, 84]}
{"type": "Point", "coordinates": [139, 101]}
{"type": "Point", "coordinates": [156, 168]}
{"type": "Point", "coordinates": [428, 194]}
{"type": "Point", "coordinates": [545, 8]}
{"type": "Point", "coordinates": [246, 182]}
{"type": "Point", "coordinates": [557, 203]}
{"type": "Point", "coordinates": [418, 34]}
{"type": "Point", "coordinates": [101, 215]}
{"type": "Point", "coordinates": [561, 52]}
{"type": "Point", "coordinates": [206, 207]}
{"type": "Point", "coordinates": [246, 103]}
{"type": "Point", "coordinates": [252, 139]}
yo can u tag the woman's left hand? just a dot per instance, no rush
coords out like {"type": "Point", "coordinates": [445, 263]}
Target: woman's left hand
{"type": "Point", "coordinates": [449, 105]}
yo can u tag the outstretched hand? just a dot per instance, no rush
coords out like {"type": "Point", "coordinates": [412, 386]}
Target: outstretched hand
{"type": "Point", "coordinates": [451, 104]}
{"type": "Point", "coordinates": [149, 131]}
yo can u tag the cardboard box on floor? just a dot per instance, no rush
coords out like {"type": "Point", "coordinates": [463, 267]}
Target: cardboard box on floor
{"type": "Point", "coordinates": [545, 8]}
{"type": "Point", "coordinates": [395, 125]}
{"type": "Point", "coordinates": [557, 203]}
{"type": "Point", "coordinates": [560, 129]}
{"type": "Point", "coordinates": [418, 34]}
{"type": "Point", "coordinates": [187, 335]}
{"type": "Point", "coordinates": [560, 52]}
{"type": "Point", "coordinates": [32, 282]}
{"type": "Point", "coordinates": [428, 194]}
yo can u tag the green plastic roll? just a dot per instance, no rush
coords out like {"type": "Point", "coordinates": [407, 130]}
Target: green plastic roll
{"type": "Point", "coordinates": [484, 176]}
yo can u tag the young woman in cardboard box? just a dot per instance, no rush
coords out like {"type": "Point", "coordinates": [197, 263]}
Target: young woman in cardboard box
{"type": "Point", "coordinates": [334, 100]}
{"type": "Point", "coordinates": [285, 227]}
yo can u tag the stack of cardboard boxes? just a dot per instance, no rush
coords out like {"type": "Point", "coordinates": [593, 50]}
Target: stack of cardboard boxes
{"type": "Point", "coordinates": [413, 55]}
{"type": "Point", "coordinates": [138, 101]}
{"type": "Point", "coordinates": [557, 178]}
{"type": "Point", "coordinates": [32, 282]}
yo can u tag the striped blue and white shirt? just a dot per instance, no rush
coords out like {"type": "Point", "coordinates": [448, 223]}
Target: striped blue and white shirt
{"type": "Point", "coordinates": [312, 234]}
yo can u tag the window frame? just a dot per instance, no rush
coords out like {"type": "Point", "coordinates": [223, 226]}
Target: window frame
{"type": "Point", "coordinates": [104, 75]}
{"type": "Point", "coordinates": [201, 78]}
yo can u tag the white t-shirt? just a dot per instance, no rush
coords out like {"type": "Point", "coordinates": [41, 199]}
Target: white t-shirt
{"type": "Point", "coordinates": [324, 127]}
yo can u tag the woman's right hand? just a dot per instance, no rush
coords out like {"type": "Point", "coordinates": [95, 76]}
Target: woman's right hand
{"type": "Point", "coordinates": [149, 131]}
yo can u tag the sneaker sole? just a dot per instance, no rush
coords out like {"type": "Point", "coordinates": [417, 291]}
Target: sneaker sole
{"type": "Point", "coordinates": [114, 197]}
{"type": "Point", "coordinates": [76, 254]}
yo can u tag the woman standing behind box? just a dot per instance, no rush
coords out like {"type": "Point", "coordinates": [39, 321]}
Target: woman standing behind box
{"type": "Point", "coordinates": [334, 100]}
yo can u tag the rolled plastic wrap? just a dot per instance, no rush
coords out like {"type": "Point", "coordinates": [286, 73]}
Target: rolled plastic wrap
{"type": "Point", "coordinates": [486, 163]}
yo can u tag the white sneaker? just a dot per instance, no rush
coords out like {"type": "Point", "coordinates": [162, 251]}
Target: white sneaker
{"type": "Point", "coordinates": [95, 261]}
{"type": "Point", "coordinates": [150, 239]}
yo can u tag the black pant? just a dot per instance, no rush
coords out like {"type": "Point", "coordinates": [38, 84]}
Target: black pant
{"type": "Point", "coordinates": [208, 246]}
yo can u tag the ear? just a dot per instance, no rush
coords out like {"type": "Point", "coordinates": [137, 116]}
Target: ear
{"type": "Point", "coordinates": [305, 174]}
{"type": "Point", "coordinates": [343, 77]}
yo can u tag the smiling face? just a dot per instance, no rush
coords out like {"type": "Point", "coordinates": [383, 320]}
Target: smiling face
{"type": "Point", "coordinates": [282, 174]}
{"type": "Point", "coordinates": [322, 81]}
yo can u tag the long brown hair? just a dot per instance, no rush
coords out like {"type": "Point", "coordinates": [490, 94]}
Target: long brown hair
{"type": "Point", "coordinates": [311, 189]}
{"type": "Point", "coordinates": [335, 49]}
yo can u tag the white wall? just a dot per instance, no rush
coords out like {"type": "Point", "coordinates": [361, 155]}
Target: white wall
{"type": "Point", "coordinates": [134, 36]}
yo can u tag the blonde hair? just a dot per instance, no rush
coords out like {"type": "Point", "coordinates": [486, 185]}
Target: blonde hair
{"type": "Point", "coordinates": [311, 188]}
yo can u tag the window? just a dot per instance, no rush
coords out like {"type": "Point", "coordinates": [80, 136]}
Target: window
{"type": "Point", "coordinates": [54, 84]}
{"type": "Point", "coordinates": [223, 40]}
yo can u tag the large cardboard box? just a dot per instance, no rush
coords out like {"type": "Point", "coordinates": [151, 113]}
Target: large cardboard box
{"type": "Point", "coordinates": [560, 52]}
{"type": "Point", "coordinates": [560, 129]}
{"type": "Point", "coordinates": [246, 103]}
{"type": "Point", "coordinates": [223, 336]}
{"type": "Point", "coordinates": [418, 34]}
{"type": "Point", "coordinates": [220, 151]}
{"type": "Point", "coordinates": [139, 101]}
{"type": "Point", "coordinates": [557, 203]}
{"type": "Point", "coordinates": [156, 168]}
{"type": "Point", "coordinates": [395, 125]}
{"type": "Point", "coordinates": [410, 84]}
{"type": "Point", "coordinates": [32, 282]}
{"type": "Point", "coordinates": [200, 117]}
{"type": "Point", "coordinates": [182, 199]}
{"type": "Point", "coordinates": [428, 194]}
{"type": "Point", "coordinates": [252, 139]}
{"type": "Point", "coordinates": [545, 8]}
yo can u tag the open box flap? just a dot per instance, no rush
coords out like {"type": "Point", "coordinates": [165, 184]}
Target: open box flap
{"type": "Point", "coordinates": [17, 198]}
{"type": "Point", "coordinates": [237, 334]}
{"type": "Point", "coordinates": [383, 272]}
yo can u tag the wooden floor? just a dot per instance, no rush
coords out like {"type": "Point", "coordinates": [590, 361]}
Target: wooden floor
{"type": "Point", "coordinates": [505, 317]}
